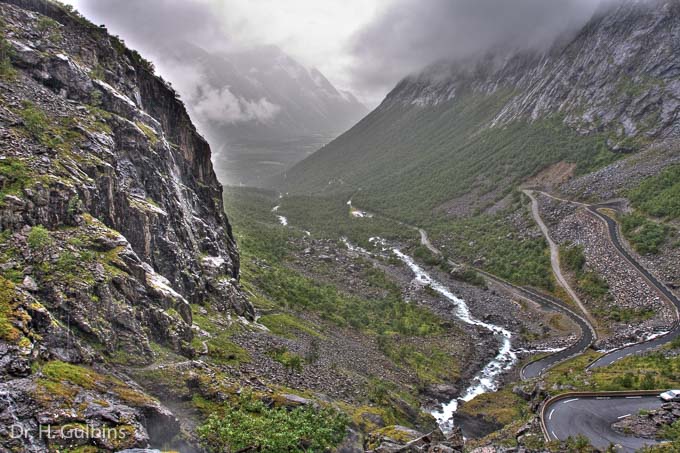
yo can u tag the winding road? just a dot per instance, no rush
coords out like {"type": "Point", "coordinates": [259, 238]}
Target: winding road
{"type": "Point", "coordinates": [592, 416]}
{"type": "Point", "coordinates": [615, 238]}
{"type": "Point", "coordinates": [555, 255]}
{"type": "Point", "coordinates": [613, 232]}
{"type": "Point", "coordinates": [536, 367]}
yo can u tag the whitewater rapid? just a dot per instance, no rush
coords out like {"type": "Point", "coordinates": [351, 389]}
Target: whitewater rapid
{"type": "Point", "coordinates": [487, 379]}
{"type": "Point", "coordinates": [282, 220]}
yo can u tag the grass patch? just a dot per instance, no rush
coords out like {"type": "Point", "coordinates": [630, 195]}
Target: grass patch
{"type": "Point", "coordinates": [647, 372]}
{"type": "Point", "coordinates": [645, 236]}
{"type": "Point", "coordinates": [293, 362]}
{"type": "Point", "coordinates": [150, 134]}
{"type": "Point", "coordinates": [14, 177]}
{"type": "Point", "coordinates": [9, 300]}
{"type": "Point", "coordinates": [430, 363]}
{"type": "Point", "coordinates": [222, 350]}
{"type": "Point", "coordinates": [659, 196]}
{"type": "Point", "coordinates": [61, 381]}
{"type": "Point", "coordinates": [502, 407]}
{"type": "Point", "coordinates": [286, 325]}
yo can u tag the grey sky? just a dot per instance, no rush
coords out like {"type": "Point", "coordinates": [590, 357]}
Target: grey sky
{"type": "Point", "coordinates": [364, 46]}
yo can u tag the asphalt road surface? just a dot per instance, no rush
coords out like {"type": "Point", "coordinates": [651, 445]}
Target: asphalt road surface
{"type": "Point", "coordinates": [593, 417]}
{"type": "Point", "coordinates": [537, 367]}
{"type": "Point", "coordinates": [619, 354]}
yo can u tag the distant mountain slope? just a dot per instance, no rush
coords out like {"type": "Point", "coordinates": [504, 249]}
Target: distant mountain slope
{"type": "Point", "coordinates": [260, 109]}
{"type": "Point", "coordinates": [480, 127]}
{"type": "Point", "coordinates": [276, 96]}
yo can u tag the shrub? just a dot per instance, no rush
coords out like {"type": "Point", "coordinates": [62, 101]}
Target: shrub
{"type": "Point", "coordinates": [593, 285]}
{"type": "Point", "coordinates": [38, 238]}
{"type": "Point", "coordinates": [671, 432]}
{"type": "Point", "coordinates": [14, 176]}
{"type": "Point", "coordinates": [291, 361]}
{"type": "Point", "coordinates": [8, 300]}
{"type": "Point", "coordinates": [254, 426]}
{"type": "Point", "coordinates": [424, 254]}
{"type": "Point", "coordinates": [7, 71]}
{"type": "Point", "coordinates": [572, 258]}
{"type": "Point", "coordinates": [35, 121]}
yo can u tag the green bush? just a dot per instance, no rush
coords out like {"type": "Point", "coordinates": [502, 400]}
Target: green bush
{"type": "Point", "coordinates": [7, 71]}
{"type": "Point", "coordinates": [291, 361]}
{"type": "Point", "coordinates": [424, 254]}
{"type": "Point", "coordinates": [38, 238]}
{"type": "Point", "coordinates": [14, 176]}
{"type": "Point", "coordinates": [671, 432]}
{"type": "Point", "coordinates": [253, 425]}
{"type": "Point", "coordinates": [572, 258]}
{"type": "Point", "coordinates": [35, 121]}
{"type": "Point", "coordinates": [593, 285]}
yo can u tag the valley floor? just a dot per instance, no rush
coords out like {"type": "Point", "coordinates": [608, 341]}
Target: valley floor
{"type": "Point", "coordinates": [509, 245]}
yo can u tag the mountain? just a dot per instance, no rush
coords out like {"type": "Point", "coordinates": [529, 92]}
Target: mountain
{"type": "Point", "coordinates": [259, 101]}
{"type": "Point", "coordinates": [459, 136]}
{"type": "Point", "coordinates": [112, 228]}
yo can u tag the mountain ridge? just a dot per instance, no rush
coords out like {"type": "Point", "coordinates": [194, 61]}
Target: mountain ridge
{"type": "Point", "coordinates": [603, 89]}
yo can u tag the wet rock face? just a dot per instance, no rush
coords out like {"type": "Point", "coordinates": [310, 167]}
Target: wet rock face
{"type": "Point", "coordinates": [111, 226]}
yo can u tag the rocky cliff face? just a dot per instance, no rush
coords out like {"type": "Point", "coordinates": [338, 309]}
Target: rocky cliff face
{"type": "Point", "coordinates": [112, 226]}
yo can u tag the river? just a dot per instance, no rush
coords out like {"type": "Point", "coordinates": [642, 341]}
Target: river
{"type": "Point", "coordinates": [487, 379]}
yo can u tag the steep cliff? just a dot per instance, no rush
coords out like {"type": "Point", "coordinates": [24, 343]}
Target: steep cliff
{"type": "Point", "coordinates": [112, 226]}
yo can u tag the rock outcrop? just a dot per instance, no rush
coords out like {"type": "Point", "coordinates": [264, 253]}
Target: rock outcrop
{"type": "Point", "coordinates": [112, 227]}
{"type": "Point", "coordinates": [650, 424]}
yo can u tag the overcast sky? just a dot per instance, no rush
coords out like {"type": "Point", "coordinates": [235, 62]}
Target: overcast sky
{"type": "Point", "coordinates": [365, 46]}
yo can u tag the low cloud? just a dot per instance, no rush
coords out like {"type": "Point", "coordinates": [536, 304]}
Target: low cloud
{"type": "Point", "coordinates": [366, 45]}
{"type": "Point", "coordinates": [210, 104]}
{"type": "Point", "coordinates": [156, 27]}
{"type": "Point", "coordinates": [411, 34]}
{"type": "Point", "coordinates": [222, 106]}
